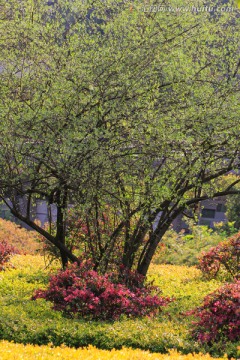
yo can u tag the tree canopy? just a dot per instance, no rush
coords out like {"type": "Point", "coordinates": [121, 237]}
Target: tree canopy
{"type": "Point", "coordinates": [111, 107]}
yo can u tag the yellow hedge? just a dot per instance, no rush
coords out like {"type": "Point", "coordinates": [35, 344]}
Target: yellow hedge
{"type": "Point", "coordinates": [11, 351]}
{"type": "Point", "coordinates": [23, 240]}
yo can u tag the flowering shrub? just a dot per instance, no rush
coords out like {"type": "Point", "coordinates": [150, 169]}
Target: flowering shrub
{"type": "Point", "coordinates": [81, 291]}
{"type": "Point", "coordinates": [225, 255]}
{"type": "Point", "coordinates": [219, 316]}
{"type": "Point", "coordinates": [5, 253]}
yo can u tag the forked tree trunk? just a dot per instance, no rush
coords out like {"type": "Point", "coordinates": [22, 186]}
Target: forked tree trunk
{"type": "Point", "coordinates": [148, 253]}
{"type": "Point", "coordinates": [143, 266]}
{"type": "Point", "coordinates": [132, 246]}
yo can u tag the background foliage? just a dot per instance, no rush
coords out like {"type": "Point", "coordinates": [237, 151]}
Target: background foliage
{"type": "Point", "coordinates": [184, 247]}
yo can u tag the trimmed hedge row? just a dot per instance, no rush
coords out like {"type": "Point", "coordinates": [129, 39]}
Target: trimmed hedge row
{"type": "Point", "coordinates": [18, 352]}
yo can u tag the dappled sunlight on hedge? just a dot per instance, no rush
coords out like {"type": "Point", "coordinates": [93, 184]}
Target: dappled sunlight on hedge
{"type": "Point", "coordinates": [183, 283]}
{"type": "Point", "coordinates": [32, 263]}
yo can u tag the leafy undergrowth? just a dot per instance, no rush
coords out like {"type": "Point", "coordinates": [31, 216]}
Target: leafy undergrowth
{"type": "Point", "coordinates": [11, 351]}
{"type": "Point", "coordinates": [24, 240]}
{"type": "Point", "coordinates": [25, 321]}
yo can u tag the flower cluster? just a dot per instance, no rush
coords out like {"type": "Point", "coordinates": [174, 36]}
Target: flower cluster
{"type": "Point", "coordinates": [219, 316]}
{"type": "Point", "coordinates": [5, 253]}
{"type": "Point", "coordinates": [225, 255]}
{"type": "Point", "coordinates": [82, 292]}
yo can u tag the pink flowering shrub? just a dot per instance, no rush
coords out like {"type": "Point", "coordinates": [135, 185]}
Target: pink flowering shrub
{"type": "Point", "coordinates": [219, 316]}
{"type": "Point", "coordinates": [5, 253]}
{"type": "Point", "coordinates": [226, 255]}
{"type": "Point", "coordinates": [80, 291]}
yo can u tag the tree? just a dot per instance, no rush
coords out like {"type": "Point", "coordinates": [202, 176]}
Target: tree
{"type": "Point", "coordinates": [131, 111]}
{"type": "Point", "coordinates": [233, 210]}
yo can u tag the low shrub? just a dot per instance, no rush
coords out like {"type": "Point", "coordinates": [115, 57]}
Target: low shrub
{"type": "Point", "coordinates": [81, 292]}
{"type": "Point", "coordinates": [24, 240]}
{"type": "Point", "coordinates": [219, 316]}
{"type": "Point", "coordinates": [223, 257]}
{"type": "Point", "coordinates": [5, 253]}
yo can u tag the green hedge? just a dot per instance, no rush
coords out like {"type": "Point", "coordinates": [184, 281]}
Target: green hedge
{"type": "Point", "coordinates": [25, 321]}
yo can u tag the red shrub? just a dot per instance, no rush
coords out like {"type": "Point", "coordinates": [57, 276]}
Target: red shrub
{"type": "Point", "coordinates": [81, 291]}
{"type": "Point", "coordinates": [225, 255]}
{"type": "Point", "coordinates": [5, 253]}
{"type": "Point", "coordinates": [219, 317]}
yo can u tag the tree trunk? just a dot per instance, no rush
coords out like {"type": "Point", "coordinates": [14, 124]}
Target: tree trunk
{"type": "Point", "coordinates": [149, 252]}
{"type": "Point", "coordinates": [60, 235]}
{"type": "Point", "coordinates": [145, 263]}
{"type": "Point", "coordinates": [132, 246]}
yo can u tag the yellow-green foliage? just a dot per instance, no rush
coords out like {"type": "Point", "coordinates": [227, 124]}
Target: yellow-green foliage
{"type": "Point", "coordinates": [10, 351]}
{"type": "Point", "coordinates": [24, 240]}
{"type": "Point", "coordinates": [25, 321]}
{"type": "Point", "coordinates": [183, 283]}
{"type": "Point", "coordinates": [28, 263]}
